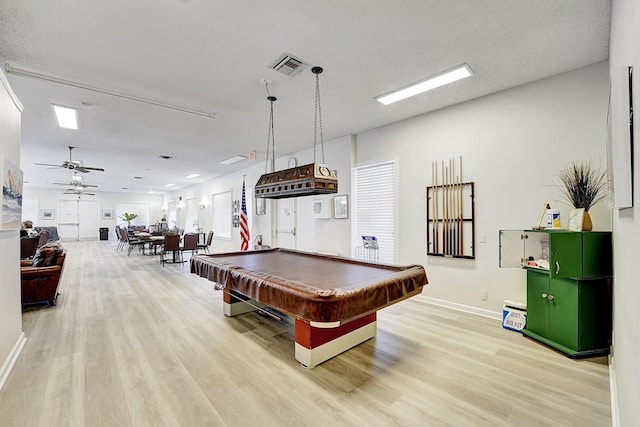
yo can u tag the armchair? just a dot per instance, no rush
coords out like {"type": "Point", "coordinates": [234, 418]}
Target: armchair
{"type": "Point", "coordinates": [40, 284]}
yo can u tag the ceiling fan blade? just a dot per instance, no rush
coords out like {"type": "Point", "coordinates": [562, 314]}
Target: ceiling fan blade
{"type": "Point", "coordinates": [92, 169]}
{"type": "Point", "coordinates": [79, 169]}
{"type": "Point", "coordinates": [48, 164]}
{"type": "Point", "coordinates": [88, 185]}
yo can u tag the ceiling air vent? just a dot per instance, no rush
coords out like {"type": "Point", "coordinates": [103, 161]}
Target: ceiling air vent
{"type": "Point", "coordinates": [288, 64]}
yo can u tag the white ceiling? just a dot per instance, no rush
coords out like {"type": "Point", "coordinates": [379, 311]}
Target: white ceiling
{"type": "Point", "coordinates": [211, 55]}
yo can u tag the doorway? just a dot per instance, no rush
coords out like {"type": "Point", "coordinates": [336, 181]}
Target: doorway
{"type": "Point", "coordinates": [78, 220]}
{"type": "Point", "coordinates": [286, 222]}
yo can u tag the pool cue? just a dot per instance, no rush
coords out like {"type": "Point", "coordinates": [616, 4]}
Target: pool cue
{"type": "Point", "coordinates": [445, 223]}
{"type": "Point", "coordinates": [460, 213]}
{"type": "Point", "coordinates": [454, 178]}
{"type": "Point", "coordinates": [433, 203]}
{"type": "Point", "coordinates": [454, 231]}
{"type": "Point", "coordinates": [435, 208]}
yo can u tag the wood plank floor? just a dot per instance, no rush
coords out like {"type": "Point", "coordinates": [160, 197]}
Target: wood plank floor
{"type": "Point", "coordinates": [131, 343]}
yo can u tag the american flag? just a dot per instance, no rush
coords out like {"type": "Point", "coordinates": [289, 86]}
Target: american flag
{"type": "Point", "coordinates": [244, 225]}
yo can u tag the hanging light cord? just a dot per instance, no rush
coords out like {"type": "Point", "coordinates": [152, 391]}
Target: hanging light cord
{"type": "Point", "coordinates": [271, 136]}
{"type": "Point", "coordinates": [318, 116]}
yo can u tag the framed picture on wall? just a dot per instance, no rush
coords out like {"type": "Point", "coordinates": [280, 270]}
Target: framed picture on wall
{"type": "Point", "coordinates": [107, 215]}
{"type": "Point", "coordinates": [47, 214]}
{"type": "Point", "coordinates": [340, 207]}
{"type": "Point", "coordinates": [261, 208]}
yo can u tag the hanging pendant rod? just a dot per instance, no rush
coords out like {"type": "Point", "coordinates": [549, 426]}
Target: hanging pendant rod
{"type": "Point", "coordinates": [23, 73]}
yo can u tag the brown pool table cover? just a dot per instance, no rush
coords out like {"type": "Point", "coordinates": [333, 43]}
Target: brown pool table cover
{"type": "Point", "coordinates": [310, 286]}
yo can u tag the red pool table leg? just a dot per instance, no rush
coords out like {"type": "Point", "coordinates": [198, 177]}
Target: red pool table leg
{"type": "Point", "coordinates": [317, 342]}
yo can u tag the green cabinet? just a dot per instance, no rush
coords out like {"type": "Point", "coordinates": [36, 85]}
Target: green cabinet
{"type": "Point", "coordinates": [568, 287]}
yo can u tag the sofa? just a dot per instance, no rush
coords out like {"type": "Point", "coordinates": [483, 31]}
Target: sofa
{"type": "Point", "coordinates": [40, 278]}
{"type": "Point", "coordinates": [53, 233]}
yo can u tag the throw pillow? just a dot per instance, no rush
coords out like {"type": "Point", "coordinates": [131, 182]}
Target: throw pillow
{"type": "Point", "coordinates": [46, 255]}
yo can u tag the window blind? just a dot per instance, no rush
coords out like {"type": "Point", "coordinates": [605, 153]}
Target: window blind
{"type": "Point", "coordinates": [374, 207]}
{"type": "Point", "coordinates": [221, 206]}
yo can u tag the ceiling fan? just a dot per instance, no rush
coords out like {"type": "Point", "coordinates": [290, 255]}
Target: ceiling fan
{"type": "Point", "coordinates": [73, 165]}
{"type": "Point", "coordinates": [78, 191]}
{"type": "Point", "coordinates": [76, 182]}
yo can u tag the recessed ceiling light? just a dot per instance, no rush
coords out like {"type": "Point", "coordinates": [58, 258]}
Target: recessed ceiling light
{"type": "Point", "coordinates": [152, 192]}
{"type": "Point", "coordinates": [193, 175]}
{"type": "Point", "coordinates": [231, 160]}
{"type": "Point", "coordinates": [169, 185]}
{"type": "Point", "coordinates": [67, 117]}
{"type": "Point", "coordinates": [433, 82]}
{"type": "Point", "coordinates": [162, 156]}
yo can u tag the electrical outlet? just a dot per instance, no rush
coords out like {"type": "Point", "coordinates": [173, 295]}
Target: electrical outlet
{"type": "Point", "coordinates": [485, 295]}
{"type": "Point", "coordinates": [483, 238]}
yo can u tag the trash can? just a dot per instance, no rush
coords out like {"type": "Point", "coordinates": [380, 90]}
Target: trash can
{"type": "Point", "coordinates": [104, 233]}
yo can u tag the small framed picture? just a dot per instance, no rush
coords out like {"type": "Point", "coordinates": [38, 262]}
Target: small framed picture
{"type": "Point", "coordinates": [236, 206]}
{"type": "Point", "coordinates": [575, 219]}
{"type": "Point", "coordinates": [47, 214]}
{"type": "Point", "coordinates": [260, 206]}
{"type": "Point", "coordinates": [340, 207]}
{"type": "Point", "coordinates": [318, 209]}
{"type": "Point", "coordinates": [107, 215]}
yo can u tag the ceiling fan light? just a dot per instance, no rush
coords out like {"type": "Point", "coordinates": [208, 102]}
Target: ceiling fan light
{"type": "Point", "coordinates": [450, 76]}
{"type": "Point", "coordinates": [67, 117]}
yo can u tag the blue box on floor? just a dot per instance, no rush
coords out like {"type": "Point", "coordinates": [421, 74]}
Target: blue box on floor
{"type": "Point", "coordinates": [514, 315]}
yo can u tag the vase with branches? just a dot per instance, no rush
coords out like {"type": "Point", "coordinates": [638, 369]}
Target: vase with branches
{"type": "Point", "coordinates": [582, 185]}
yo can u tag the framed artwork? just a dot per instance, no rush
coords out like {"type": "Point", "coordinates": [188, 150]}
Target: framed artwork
{"type": "Point", "coordinates": [236, 206]}
{"type": "Point", "coordinates": [47, 214]}
{"type": "Point", "coordinates": [261, 208]}
{"type": "Point", "coordinates": [11, 207]}
{"type": "Point", "coordinates": [318, 209]}
{"type": "Point", "coordinates": [107, 215]}
{"type": "Point", "coordinates": [340, 207]}
{"type": "Point", "coordinates": [575, 219]}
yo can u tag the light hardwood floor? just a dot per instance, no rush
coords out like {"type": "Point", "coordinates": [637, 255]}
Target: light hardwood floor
{"type": "Point", "coordinates": [131, 343]}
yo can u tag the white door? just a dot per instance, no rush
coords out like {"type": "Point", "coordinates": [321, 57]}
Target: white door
{"type": "Point", "coordinates": [88, 219]}
{"type": "Point", "coordinates": [68, 220]}
{"type": "Point", "coordinates": [78, 220]}
{"type": "Point", "coordinates": [286, 223]}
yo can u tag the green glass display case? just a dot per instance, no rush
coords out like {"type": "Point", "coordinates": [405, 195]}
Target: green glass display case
{"type": "Point", "coordinates": [569, 280]}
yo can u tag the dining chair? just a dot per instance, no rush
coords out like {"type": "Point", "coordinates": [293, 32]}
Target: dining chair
{"type": "Point", "coordinates": [190, 243]}
{"type": "Point", "coordinates": [171, 244]}
{"type": "Point", "coordinates": [207, 244]}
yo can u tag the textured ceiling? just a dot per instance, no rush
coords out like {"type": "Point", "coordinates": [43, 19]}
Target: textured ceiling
{"type": "Point", "coordinates": [211, 56]}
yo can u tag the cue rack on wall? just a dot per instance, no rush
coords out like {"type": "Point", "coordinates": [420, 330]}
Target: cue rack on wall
{"type": "Point", "coordinates": [450, 212]}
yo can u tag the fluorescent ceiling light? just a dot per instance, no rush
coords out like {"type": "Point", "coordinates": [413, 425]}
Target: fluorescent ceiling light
{"type": "Point", "coordinates": [433, 82]}
{"type": "Point", "coordinates": [67, 117]}
{"type": "Point", "coordinates": [231, 160]}
{"type": "Point", "coordinates": [169, 185]}
{"type": "Point", "coordinates": [193, 175]}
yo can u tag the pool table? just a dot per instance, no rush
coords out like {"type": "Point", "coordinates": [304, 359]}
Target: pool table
{"type": "Point", "coordinates": [333, 300]}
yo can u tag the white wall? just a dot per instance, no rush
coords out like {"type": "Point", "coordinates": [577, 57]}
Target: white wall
{"type": "Point", "coordinates": [513, 143]}
{"type": "Point", "coordinates": [625, 51]}
{"type": "Point", "coordinates": [317, 235]}
{"type": "Point", "coordinates": [46, 198]}
{"type": "Point", "coordinates": [11, 336]}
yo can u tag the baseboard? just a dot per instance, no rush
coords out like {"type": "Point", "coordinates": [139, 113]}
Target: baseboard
{"type": "Point", "coordinates": [613, 391]}
{"type": "Point", "coordinates": [11, 359]}
{"type": "Point", "coordinates": [461, 307]}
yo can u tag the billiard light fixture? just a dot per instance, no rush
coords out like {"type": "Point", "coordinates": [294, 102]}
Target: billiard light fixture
{"type": "Point", "coordinates": [450, 76]}
{"type": "Point", "coordinates": [67, 117]}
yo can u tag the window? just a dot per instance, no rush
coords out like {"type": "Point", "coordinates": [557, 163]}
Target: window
{"type": "Point", "coordinates": [143, 210]}
{"type": "Point", "coordinates": [374, 204]}
{"type": "Point", "coordinates": [221, 206]}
